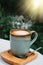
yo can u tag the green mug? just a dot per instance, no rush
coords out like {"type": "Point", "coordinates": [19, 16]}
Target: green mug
{"type": "Point", "coordinates": [20, 41]}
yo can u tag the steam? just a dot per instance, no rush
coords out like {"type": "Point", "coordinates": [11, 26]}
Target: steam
{"type": "Point", "coordinates": [21, 22]}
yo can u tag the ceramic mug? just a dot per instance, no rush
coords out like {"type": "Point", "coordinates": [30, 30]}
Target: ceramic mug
{"type": "Point", "coordinates": [20, 41]}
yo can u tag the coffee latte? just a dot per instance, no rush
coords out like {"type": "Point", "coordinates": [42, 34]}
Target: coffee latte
{"type": "Point", "coordinates": [20, 41]}
{"type": "Point", "coordinates": [19, 32]}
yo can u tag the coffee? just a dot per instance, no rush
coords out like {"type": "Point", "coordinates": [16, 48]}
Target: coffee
{"type": "Point", "coordinates": [19, 32]}
{"type": "Point", "coordinates": [20, 41]}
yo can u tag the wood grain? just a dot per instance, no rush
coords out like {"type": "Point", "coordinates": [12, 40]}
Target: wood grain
{"type": "Point", "coordinates": [11, 59]}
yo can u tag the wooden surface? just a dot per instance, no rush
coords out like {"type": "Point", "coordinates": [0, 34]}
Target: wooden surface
{"type": "Point", "coordinates": [11, 59]}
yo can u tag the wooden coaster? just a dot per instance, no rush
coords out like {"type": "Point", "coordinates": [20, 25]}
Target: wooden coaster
{"type": "Point", "coordinates": [11, 59]}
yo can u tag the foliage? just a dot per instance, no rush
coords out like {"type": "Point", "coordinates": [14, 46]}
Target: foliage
{"type": "Point", "coordinates": [11, 6]}
{"type": "Point", "coordinates": [39, 43]}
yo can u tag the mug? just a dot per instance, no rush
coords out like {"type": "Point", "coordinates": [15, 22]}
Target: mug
{"type": "Point", "coordinates": [20, 41]}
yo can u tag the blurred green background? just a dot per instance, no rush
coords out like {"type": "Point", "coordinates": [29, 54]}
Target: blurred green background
{"type": "Point", "coordinates": [10, 8]}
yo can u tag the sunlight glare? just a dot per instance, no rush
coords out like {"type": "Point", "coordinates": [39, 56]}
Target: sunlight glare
{"type": "Point", "coordinates": [36, 3]}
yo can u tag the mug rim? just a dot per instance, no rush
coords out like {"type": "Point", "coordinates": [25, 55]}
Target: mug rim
{"type": "Point", "coordinates": [19, 35]}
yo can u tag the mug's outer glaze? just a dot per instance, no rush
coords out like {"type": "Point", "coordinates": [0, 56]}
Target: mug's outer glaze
{"type": "Point", "coordinates": [20, 45]}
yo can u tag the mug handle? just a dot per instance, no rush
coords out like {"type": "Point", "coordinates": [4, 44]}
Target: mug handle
{"type": "Point", "coordinates": [36, 35]}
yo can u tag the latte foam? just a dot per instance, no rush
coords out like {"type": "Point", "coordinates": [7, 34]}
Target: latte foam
{"type": "Point", "coordinates": [20, 32]}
